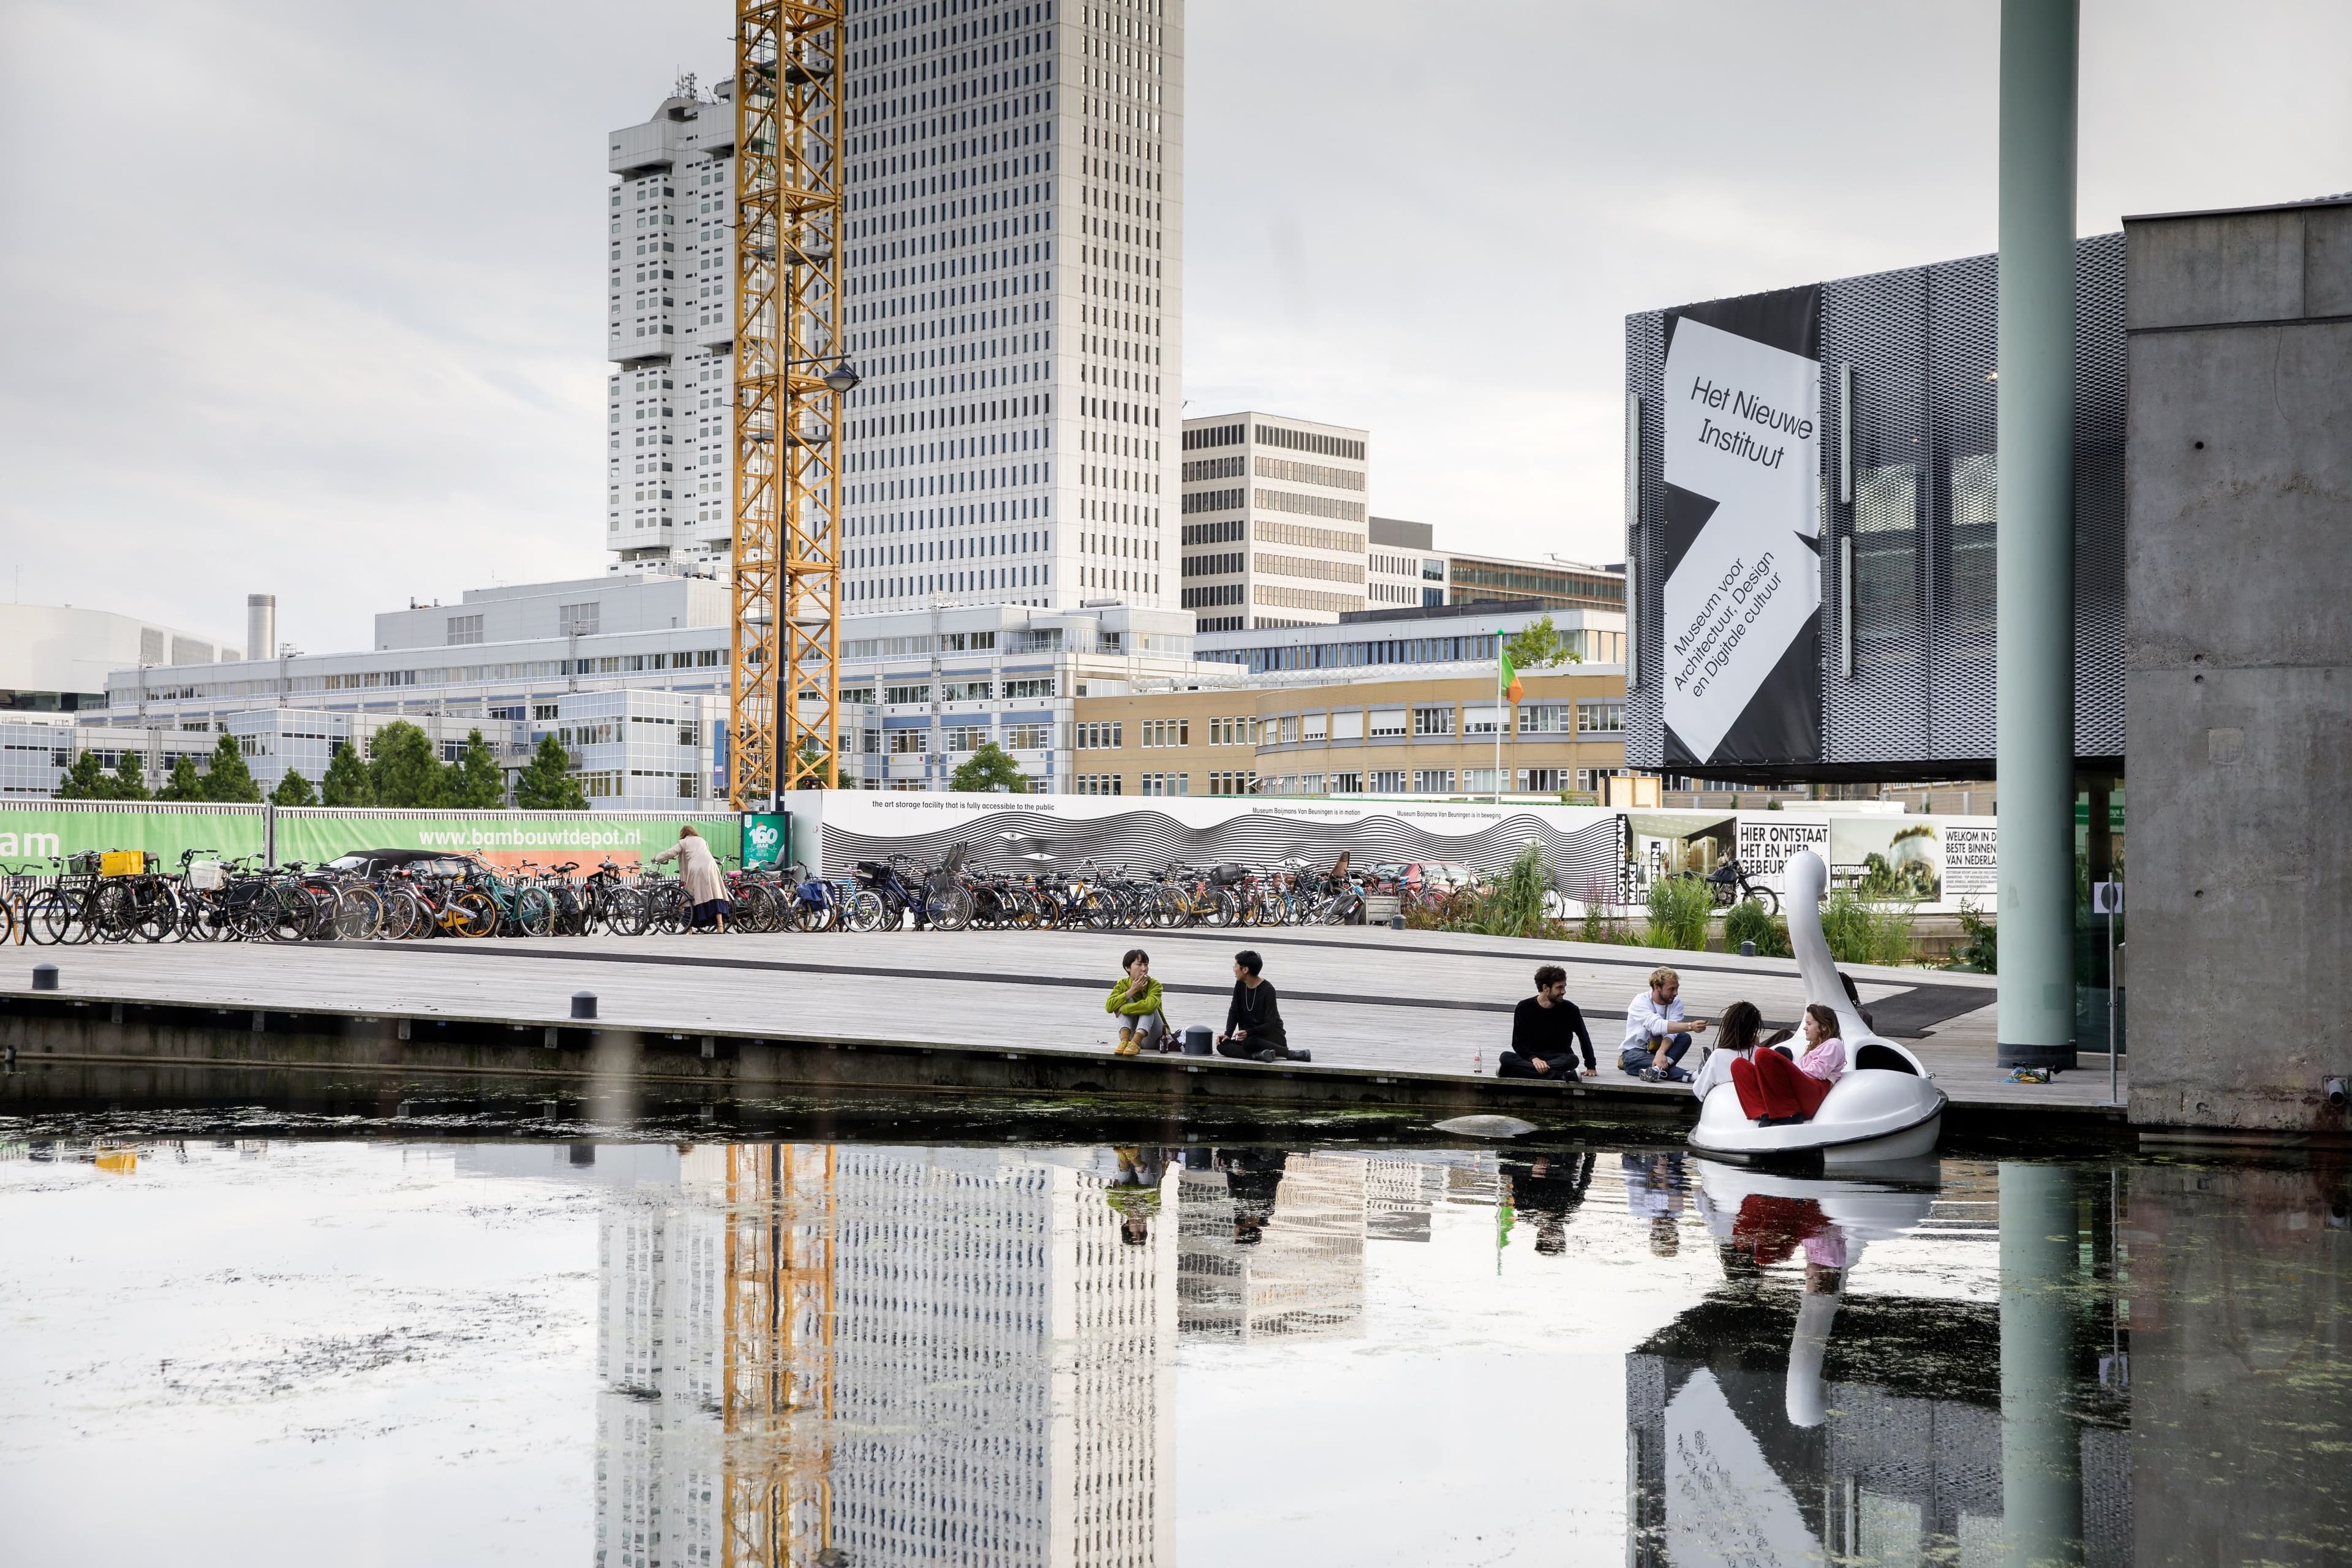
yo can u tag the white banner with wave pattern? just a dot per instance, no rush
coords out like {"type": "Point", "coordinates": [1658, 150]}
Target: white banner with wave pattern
{"type": "Point", "coordinates": [834, 829]}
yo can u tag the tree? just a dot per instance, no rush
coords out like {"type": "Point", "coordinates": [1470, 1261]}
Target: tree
{"type": "Point", "coordinates": [294, 789]}
{"type": "Point", "coordinates": [346, 781]}
{"type": "Point", "coordinates": [815, 774]}
{"type": "Point", "coordinates": [130, 777]}
{"type": "Point", "coordinates": [402, 766]}
{"type": "Point", "coordinates": [989, 768]}
{"type": "Point", "coordinates": [230, 782]}
{"type": "Point", "coordinates": [475, 781]}
{"type": "Point", "coordinates": [548, 783]}
{"type": "Point", "coordinates": [185, 784]}
{"type": "Point", "coordinates": [1538, 643]}
{"type": "Point", "coordinates": [85, 780]}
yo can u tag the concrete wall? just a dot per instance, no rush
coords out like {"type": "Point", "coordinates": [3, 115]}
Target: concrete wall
{"type": "Point", "coordinates": [2239, 474]}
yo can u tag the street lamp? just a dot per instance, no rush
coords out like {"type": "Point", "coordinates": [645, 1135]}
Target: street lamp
{"type": "Point", "coordinates": [842, 377]}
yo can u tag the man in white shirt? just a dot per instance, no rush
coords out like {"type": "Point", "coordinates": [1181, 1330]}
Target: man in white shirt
{"type": "Point", "coordinates": [1657, 1033]}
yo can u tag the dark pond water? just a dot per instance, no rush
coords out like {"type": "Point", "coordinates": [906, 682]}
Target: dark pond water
{"type": "Point", "coordinates": [381, 1348]}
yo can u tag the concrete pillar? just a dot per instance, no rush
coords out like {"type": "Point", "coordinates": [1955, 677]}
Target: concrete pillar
{"type": "Point", "coordinates": [2040, 1444]}
{"type": "Point", "coordinates": [2036, 540]}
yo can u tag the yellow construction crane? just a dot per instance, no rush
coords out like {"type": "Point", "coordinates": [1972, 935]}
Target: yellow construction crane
{"type": "Point", "coordinates": [790, 375]}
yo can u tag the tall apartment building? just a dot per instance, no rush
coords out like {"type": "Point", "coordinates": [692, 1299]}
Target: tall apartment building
{"type": "Point", "coordinates": [1013, 286]}
{"type": "Point", "coordinates": [670, 329]}
{"type": "Point", "coordinates": [1275, 521]}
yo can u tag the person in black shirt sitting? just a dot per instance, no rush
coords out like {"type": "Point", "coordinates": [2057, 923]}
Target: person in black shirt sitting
{"type": "Point", "coordinates": [1546, 1030]}
{"type": "Point", "coordinates": [1252, 1021]}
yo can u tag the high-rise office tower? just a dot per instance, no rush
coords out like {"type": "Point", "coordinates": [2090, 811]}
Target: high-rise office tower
{"type": "Point", "coordinates": [670, 330]}
{"type": "Point", "coordinates": [1274, 522]}
{"type": "Point", "coordinates": [1014, 288]}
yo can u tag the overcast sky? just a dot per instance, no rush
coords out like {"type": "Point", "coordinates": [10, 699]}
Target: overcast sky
{"type": "Point", "coordinates": [309, 299]}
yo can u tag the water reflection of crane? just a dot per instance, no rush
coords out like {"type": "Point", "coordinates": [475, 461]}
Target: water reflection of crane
{"type": "Point", "coordinates": [776, 1387]}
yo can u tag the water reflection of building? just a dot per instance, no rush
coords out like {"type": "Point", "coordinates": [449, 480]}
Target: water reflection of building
{"type": "Point", "coordinates": [711, 1330]}
{"type": "Point", "coordinates": [1274, 1243]}
{"type": "Point", "coordinates": [2242, 1362]}
{"type": "Point", "coordinates": [906, 1355]}
{"type": "Point", "coordinates": [1787, 1419]}
{"type": "Point", "coordinates": [1002, 1363]}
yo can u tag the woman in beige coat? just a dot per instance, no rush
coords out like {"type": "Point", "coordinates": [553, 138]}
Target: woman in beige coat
{"type": "Point", "coordinates": [697, 872]}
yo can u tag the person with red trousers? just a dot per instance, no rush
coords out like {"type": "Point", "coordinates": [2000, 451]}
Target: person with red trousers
{"type": "Point", "coordinates": [1775, 1091]}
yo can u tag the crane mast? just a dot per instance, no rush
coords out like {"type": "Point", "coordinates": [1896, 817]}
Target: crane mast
{"type": "Point", "coordinates": [785, 686]}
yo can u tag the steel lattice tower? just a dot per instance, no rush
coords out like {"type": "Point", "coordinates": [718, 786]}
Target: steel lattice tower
{"type": "Point", "coordinates": [786, 688]}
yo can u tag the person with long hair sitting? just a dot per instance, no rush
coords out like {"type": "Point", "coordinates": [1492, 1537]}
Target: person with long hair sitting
{"type": "Point", "coordinates": [1775, 1091]}
{"type": "Point", "coordinates": [1741, 1023]}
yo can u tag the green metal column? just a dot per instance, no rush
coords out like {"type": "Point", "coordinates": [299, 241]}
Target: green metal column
{"type": "Point", "coordinates": [2040, 1442]}
{"type": "Point", "coordinates": [2038, 42]}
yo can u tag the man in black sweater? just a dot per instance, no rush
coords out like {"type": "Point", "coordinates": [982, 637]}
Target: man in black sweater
{"type": "Point", "coordinates": [1252, 1021]}
{"type": "Point", "coordinates": [1546, 1030]}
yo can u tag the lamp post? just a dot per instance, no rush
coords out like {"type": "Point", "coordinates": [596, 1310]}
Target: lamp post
{"type": "Point", "coordinates": [841, 381]}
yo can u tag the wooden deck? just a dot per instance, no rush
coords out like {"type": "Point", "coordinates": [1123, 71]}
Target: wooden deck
{"type": "Point", "coordinates": [1412, 1002]}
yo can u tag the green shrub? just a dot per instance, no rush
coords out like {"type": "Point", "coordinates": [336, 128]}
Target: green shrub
{"type": "Point", "coordinates": [1980, 953]}
{"type": "Point", "coordinates": [1516, 907]}
{"type": "Point", "coordinates": [1679, 908]}
{"type": "Point", "coordinates": [1859, 931]}
{"type": "Point", "coordinates": [1748, 921]}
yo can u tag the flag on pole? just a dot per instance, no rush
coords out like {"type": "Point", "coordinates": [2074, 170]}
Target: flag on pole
{"type": "Point", "coordinates": [1506, 678]}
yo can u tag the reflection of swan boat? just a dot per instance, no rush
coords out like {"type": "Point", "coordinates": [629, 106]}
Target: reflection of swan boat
{"type": "Point", "coordinates": [1852, 1213]}
{"type": "Point", "coordinates": [1884, 1107]}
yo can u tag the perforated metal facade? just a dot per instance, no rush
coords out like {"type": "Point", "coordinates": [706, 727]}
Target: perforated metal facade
{"type": "Point", "coordinates": [1917, 522]}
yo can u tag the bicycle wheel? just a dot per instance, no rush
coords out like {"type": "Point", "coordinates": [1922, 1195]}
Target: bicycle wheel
{"type": "Point", "coordinates": [950, 909]}
{"type": "Point", "coordinates": [50, 917]}
{"type": "Point", "coordinates": [626, 912]}
{"type": "Point", "coordinates": [1765, 899]}
{"type": "Point", "coordinates": [291, 912]}
{"type": "Point", "coordinates": [471, 914]}
{"type": "Point", "coordinates": [358, 914]}
{"type": "Point", "coordinates": [534, 912]}
{"type": "Point", "coordinates": [1219, 909]}
{"type": "Point", "coordinates": [404, 916]}
{"type": "Point", "coordinates": [865, 911]}
{"type": "Point", "coordinates": [155, 916]}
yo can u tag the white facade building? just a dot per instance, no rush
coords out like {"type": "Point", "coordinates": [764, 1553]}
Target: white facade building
{"type": "Point", "coordinates": [55, 658]}
{"type": "Point", "coordinates": [1274, 522]}
{"type": "Point", "coordinates": [630, 672]}
{"type": "Point", "coordinates": [1014, 295]}
{"type": "Point", "coordinates": [1406, 572]}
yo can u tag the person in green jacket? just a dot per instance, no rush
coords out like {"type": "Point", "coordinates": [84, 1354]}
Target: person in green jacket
{"type": "Point", "coordinates": [1136, 1001]}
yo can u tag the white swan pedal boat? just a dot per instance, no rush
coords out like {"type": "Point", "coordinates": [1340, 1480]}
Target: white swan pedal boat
{"type": "Point", "coordinates": [1883, 1108]}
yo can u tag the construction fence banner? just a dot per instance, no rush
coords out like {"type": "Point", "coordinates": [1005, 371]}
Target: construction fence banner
{"type": "Point", "coordinates": [834, 829]}
{"type": "Point", "coordinates": [30, 835]}
{"type": "Point", "coordinates": [1936, 864]}
{"type": "Point", "coordinates": [504, 838]}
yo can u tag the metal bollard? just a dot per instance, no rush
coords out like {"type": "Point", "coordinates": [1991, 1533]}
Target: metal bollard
{"type": "Point", "coordinates": [1396, 923]}
{"type": "Point", "coordinates": [1746, 950]}
{"type": "Point", "coordinates": [584, 1004]}
{"type": "Point", "coordinates": [45, 977]}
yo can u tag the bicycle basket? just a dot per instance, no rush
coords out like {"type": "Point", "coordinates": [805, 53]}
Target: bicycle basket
{"type": "Point", "coordinates": [84, 864]}
{"type": "Point", "coordinates": [206, 876]}
{"type": "Point", "coordinates": [1228, 873]}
